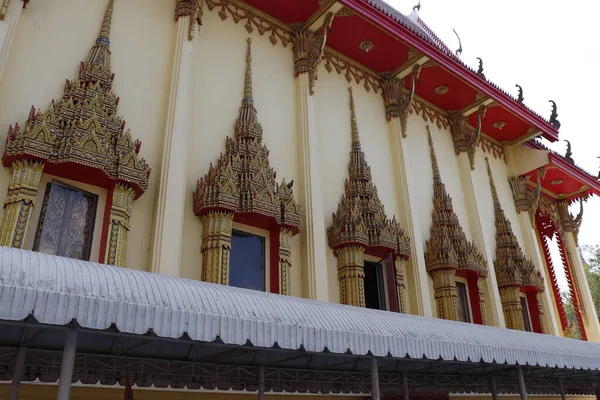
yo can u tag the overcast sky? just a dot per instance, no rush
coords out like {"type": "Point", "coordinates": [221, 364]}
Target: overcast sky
{"type": "Point", "coordinates": [551, 48]}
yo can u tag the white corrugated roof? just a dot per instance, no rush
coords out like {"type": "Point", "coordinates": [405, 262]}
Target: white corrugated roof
{"type": "Point", "coordinates": [56, 290]}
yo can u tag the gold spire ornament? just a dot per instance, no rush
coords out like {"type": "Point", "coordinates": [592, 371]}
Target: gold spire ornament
{"type": "Point", "coordinates": [82, 133]}
{"type": "Point", "coordinates": [513, 270]}
{"type": "Point", "coordinates": [243, 182]}
{"type": "Point", "coordinates": [360, 223]}
{"type": "Point", "coordinates": [448, 251]}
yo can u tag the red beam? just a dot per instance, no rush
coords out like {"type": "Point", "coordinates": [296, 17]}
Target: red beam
{"type": "Point", "coordinates": [407, 36]}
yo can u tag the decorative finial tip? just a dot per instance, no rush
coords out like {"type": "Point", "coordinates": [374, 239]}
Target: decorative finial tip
{"type": "Point", "coordinates": [350, 89]}
{"type": "Point", "coordinates": [249, 40]}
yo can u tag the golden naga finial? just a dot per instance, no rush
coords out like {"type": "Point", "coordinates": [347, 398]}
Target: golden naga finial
{"type": "Point", "coordinates": [437, 177]}
{"type": "Point", "coordinates": [104, 36]}
{"type": "Point", "coordinates": [248, 80]}
{"type": "Point", "coordinates": [355, 137]}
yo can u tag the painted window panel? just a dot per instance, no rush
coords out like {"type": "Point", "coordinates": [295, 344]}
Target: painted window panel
{"type": "Point", "coordinates": [247, 261]}
{"type": "Point", "coordinates": [525, 311]}
{"type": "Point", "coordinates": [66, 222]}
{"type": "Point", "coordinates": [464, 314]}
{"type": "Point", "coordinates": [374, 286]}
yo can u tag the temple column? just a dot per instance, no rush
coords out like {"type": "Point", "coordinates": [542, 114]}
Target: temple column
{"type": "Point", "coordinates": [216, 246]}
{"type": "Point", "coordinates": [531, 245]}
{"type": "Point", "coordinates": [172, 191]}
{"type": "Point", "coordinates": [9, 20]}
{"type": "Point", "coordinates": [22, 191]}
{"type": "Point", "coordinates": [481, 282]}
{"type": "Point", "coordinates": [511, 306]}
{"type": "Point", "coordinates": [445, 294]}
{"type": "Point", "coordinates": [66, 366]}
{"type": "Point", "coordinates": [473, 204]}
{"type": "Point", "coordinates": [419, 295]}
{"type": "Point", "coordinates": [18, 373]}
{"type": "Point", "coordinates": [400, 267]}
{"type": "Point", "coordinates": [118, 228]}
{"type": "Point", "coordinates": [285, 261]}
{"type": "Point", "coordinates": [351, 273]}
{"type": "Point", "coordinates": [314, 242]}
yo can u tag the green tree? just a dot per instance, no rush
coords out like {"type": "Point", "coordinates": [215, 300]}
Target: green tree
{"type": "Point", "coordinates": [591, 264]}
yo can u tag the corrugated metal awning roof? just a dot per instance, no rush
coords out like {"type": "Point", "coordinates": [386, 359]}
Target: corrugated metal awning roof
{"type": "Point", "coordinates": [57, 290]}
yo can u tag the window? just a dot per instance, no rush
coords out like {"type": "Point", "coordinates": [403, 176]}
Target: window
{"type": "Point", "coordinates": [247, 261]}
{"type": "Point", "coordinates": [525, 312]}
{"type": "Point", "coordinates": [464, 313]}
{"type": "Point", "coordinates": [66, 222]}
{"type": "Point", "coordinates": [374, 286]}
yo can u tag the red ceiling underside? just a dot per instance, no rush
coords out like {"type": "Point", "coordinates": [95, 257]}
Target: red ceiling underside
{"type": "Point", "coordinates": [514, 127]}
{"type": "Point", "coordinates": [286, 11]}
{"type": "Point", "coordinates": [389, 53]}
{"type": "Point", "coordinates": [458, 96]}
{"type": "Point", "coordinates": [348, 32]}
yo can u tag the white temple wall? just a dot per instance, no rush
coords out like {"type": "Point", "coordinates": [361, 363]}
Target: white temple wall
{"type": "Point", "coordinates": [220, 63]}
{"type": "Point", "coordinates": [46, 51]}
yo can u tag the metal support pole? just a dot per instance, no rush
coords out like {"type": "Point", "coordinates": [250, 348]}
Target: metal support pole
{"type": "Point", "coordinates": [17, 377]}
{"type": "Point", "coordinates": [521, 379]}
{"type": "Point", "coordinates": [66, 367]}
{"type": "Point", "coordinates": [493, 388]}
{"type": "Point", "coordinates": [598, 391]}
{"type": "Point", "coordinates": [405, 386]}
{"type": "Point", "coordinates": [562, 390]}
{"type": "Point", "coordinates": [374, 380]}
{"type": "Point", "coordinates": [261, 383]}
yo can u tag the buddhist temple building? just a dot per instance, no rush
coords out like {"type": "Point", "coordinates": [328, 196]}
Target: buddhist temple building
{"type": "Point", "coordinates": [215, 199]}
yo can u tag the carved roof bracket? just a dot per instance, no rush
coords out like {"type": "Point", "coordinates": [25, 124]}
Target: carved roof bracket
{"type": "Point", "coordinates": [510, 264]}
{"type": "Point", "coordinates": [466, 138]}
{"type": "Point", "coordinates": [525, 199]}
{"type": "Point", "coordinates": [193, 9]}
{"type": "Point", "coordinates": [360, 218]}
{"type": "Point", "coordinates": [83, 126]}
{"type": "Point", "coordinates": [567, 221]}
{"type": "Point", "coordinates": [242, 181]}
{"type": "Point", "coordinates": [448, 246]}
{"type": "Point", "coordinates": [308, 48]}
{"type": "Point", "coordinates": [397, 102]}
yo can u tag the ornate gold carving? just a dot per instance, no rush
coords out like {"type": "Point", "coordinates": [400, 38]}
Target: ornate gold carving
{"type": "Point", "coordinates": [193, 8]}
{"type": "Point", "coordinates": [83, 126]}
{"type": "Point", "coordinates": [22, 191]}
{"type": "Point", "coordinates": [491, 146]}
{"type": "Point", "coordinates": [465, 138]}
{"type": "Point", "coordinates": [351, 275]}
{"type": "Point", "coordinates": [448, 249]}
{"type": "Point", "coordinates": [216, 246]}
{"type": "Point", "coordinates": [541, 312]}
{"type": "Point", "coordinates": [480, 286]}
{"type": "Point", "coordinates": [120, 213]}
{"type": "Point", "coordinates": [441, 90]}
{"type": "Point", "coordinates": [240, 11]}
{"type": "Point", "coordinates": [366, 45]}
{"type": "Point", "coordinates": [4, 9]}
{"type": "Point", "coordinates": [526, 200]}
{"type": "Point", "coordinates": [499, 124]}
{"type": "Point", "coordinates": [242, 182]}
{"type": "Point", "coordinates": [397, 102]}
{"type": "Point", "coordinates": [513, 270]}
{"type": "Point", "coordinates": [344, 12]}
{"type": "Point", "coordinates": [360, 221]}
{"type": "Point", "coordinates": [510, 296]}
{"type": "Point", "coordinates": [430, 113]}
{"type": "Point", "coordinates": [285, 261]}
{"type": "Point", "coordinates": [351, 69]}
{"type": "Point", "coordinates": [308, 50]}
{"type": "Point", "coordinates": [566, 221]}
{"type": "Point", "coordinates": [401, 284]}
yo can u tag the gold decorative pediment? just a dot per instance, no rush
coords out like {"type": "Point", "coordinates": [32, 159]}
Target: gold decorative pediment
{"type": "Point", "coordinates": [360, 218]}
{"type": "Point", "coordinates": [242, 181]}
{"type": "Point", "coordinates": [448, 247]}
{"type": "Point", "coordinates": [83, 126]}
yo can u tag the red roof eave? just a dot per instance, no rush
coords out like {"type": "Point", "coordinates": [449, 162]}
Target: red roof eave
{"type": "Point", "coordinates": [576, 173]}
{"type": "Point", "coordinates": [471, 78]}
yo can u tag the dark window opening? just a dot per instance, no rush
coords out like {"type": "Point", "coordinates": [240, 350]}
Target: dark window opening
{"type": "Point", "coordinates": [247, 261]}
{"type": "Point", "coordinates": [66, 222]}
{"type": "Point", "coordinates": [525, 313]}
{"type": "Point", "coordinates": [464, 314]}
{"type": "Point", "coordinates": [374, 286]}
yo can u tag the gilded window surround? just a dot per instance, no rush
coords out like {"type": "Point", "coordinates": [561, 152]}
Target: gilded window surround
{"type": "Point", "coordinates": [351, 234]}
{"type": "Point", "coordinates": [448, 252]}
{"type": "Point", "coordinates": [81, 137]}
{"type": "Point", "coordinates": [242, 187]}
{"type": "Point", "coordinates": [514, 272]}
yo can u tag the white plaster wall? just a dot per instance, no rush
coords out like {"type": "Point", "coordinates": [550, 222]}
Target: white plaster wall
{"type": "Point", "coordinates": [332, 102]}
{"type": "Point", "coordinates": [220, 62]}
{"type": "Point", "coordinates": [53, 36]}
